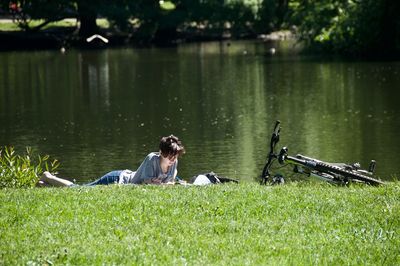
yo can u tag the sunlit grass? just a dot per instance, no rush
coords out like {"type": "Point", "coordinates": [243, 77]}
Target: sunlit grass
{"type": "Point", "coordinates": [8, 25]}
{"type": "Point", "coordinates": [245, 224]}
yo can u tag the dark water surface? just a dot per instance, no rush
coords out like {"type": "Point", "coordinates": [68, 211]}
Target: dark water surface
{"type": "Point", "coordinates": [102, 110]}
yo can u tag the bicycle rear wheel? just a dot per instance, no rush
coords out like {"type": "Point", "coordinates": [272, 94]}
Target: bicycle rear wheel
{"type": "Point", "coordinates": [351, 175]}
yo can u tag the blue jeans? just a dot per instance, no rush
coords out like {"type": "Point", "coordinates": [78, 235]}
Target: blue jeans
{"type": "Point", "coordinates": [107, 179]}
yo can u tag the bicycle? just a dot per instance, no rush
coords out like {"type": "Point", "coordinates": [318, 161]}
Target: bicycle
{"type": "Point", "coordinates": [336, 173]}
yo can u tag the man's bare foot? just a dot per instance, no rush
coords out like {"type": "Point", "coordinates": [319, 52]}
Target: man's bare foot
{"type": "Point", "coordinates": [44, 179]}
{"type": "Point", "coordinates": [41, 183]}
{"type": "Point", "coordinates": [47, 175]}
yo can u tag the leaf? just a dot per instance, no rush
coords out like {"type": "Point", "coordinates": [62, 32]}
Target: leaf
{"type": "Point", "coordinates": [167, 5]}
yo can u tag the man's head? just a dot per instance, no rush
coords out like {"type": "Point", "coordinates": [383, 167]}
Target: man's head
{"type": "Point", "coordinates": [171, 147]}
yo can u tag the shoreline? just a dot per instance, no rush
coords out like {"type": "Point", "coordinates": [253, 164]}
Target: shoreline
{"type": "Point", "coordinates": [63, 37]}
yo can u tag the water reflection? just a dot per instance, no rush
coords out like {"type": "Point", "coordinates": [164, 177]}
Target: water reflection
{"type": "Point", "coordinates": [103, 110]}
{"type": "Point", "coordinates": [94, 78]}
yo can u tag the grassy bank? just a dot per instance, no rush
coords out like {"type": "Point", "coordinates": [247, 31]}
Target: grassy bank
{"type": "Point", "coordinates": [246, 224]}
{"type": "Point", "coordinates": [9, 25]}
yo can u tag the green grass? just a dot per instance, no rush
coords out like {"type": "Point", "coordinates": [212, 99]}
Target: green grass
{"type": "Point", "coordinates": [8, 25]}
{"type": "Point", "coordinates": [245, 224]}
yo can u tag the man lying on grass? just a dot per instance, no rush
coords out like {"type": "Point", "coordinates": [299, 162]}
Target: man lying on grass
{"type": "Point", "coordinates": [157, 168]}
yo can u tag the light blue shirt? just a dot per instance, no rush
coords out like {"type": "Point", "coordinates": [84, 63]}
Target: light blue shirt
{"type": "Point", "coordinates": [149, 171]}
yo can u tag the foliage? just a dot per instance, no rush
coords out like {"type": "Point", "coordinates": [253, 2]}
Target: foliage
{"type": "Point", "coordinates": [153, 15]}
{"type": "Point", "coordinates": [272, 15]}
{"type": "Point", "coordinates": [348, 26]}
{"type": "Point", "coordinates": [18, 171]}
{"type": "Point", "coordinates": [345, 26]}
{"type": "Point", "coordinates": [244, 224]}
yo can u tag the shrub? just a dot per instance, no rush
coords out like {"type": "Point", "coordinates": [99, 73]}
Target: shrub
{"type": "Point", "coordinates": [23, 171]}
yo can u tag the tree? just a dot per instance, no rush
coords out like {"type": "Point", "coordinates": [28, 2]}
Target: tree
{"type": "Point", "coordinates": [347, 26]}
{"type": "Point", "coordinates": [86, 11]}
{"type": "Point", "coordinates": [24, 12]}
{"type": "Point", "coordinates": [87, 14]}
{"type": "Point", "coordinates": [272, 15]}
{"type": "Point", "coordinates": [156, 20]}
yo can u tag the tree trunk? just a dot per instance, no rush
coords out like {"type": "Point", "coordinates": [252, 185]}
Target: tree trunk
{"type": "Point", "coordinates": [281, 11]}
{"type": "Point", "coordinates": [389, 27]}
{"type": "Point", "coordinates": [87, 17]}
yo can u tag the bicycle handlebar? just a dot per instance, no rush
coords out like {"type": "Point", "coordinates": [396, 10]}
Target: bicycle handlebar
{"type": "Point", "coordinates": [275, 136]}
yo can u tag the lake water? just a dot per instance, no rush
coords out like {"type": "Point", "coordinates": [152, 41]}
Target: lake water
{"type": "Point", "coordinates": [101, 110]}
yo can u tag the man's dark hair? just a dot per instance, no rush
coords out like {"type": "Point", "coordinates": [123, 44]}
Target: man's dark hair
{"type": "Point", "coordinates": [171, 146]}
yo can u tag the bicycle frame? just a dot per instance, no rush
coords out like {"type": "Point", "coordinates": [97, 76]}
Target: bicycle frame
{"type": "Point", "coordinates": [337, 173]}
